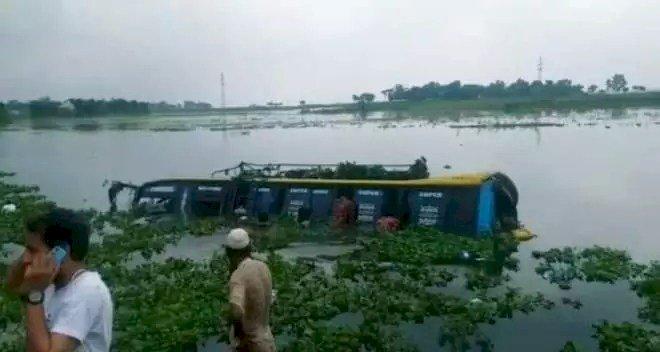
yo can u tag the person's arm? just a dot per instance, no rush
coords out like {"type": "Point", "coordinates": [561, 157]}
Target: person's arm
{"type": "Point", "coordinates": [38, 337]}
{"type": "Point", "coordinates": [38, 276]}
{"type": "Point", "coordinates": [236, 306]}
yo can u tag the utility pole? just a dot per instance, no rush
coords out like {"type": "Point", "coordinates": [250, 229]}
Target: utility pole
{"type": "Point", "coordinates": [222, 89]}
{"type": "Point", "coordinates": [539, 69]}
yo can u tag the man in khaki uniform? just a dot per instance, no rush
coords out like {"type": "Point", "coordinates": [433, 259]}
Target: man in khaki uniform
{"type": "Point", "coordinates": [250, 294]}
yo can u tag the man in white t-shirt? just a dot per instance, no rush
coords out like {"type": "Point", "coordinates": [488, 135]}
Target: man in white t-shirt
{"type": "Point", "coordinates": [68, 307]}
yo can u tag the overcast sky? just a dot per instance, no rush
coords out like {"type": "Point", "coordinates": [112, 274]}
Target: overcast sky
{"type": "Point", "coordinates": [320, 51]}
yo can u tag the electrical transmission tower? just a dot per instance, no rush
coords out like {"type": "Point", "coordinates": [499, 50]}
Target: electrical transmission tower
{"type": "Point", "coordinates": [222, 89]}
{"type": "Point", "coordinates": [539, 69]}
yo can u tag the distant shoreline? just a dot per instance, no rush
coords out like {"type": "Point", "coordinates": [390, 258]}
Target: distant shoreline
{"type": "Point", "coordinates": [435, 106]}
{"type": "Point", "coordinates": [431, 107]}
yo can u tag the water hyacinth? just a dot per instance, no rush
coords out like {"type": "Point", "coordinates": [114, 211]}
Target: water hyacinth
{"type": "Point", "coordinates": [167, 304]}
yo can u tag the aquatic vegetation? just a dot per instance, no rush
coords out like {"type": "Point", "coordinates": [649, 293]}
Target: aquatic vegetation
{"type": "Point", "coordinates": [279, 234]}
{"type": "Point", "coordinates": [386, 294]}
{"type": "Point", "coordinates": [13, 336]}
{"type": "Point", "coordinates": [607, 264]}
{"type": "Point", "coordinates": [172, 129]}
{"type": "Point", "coordinates": [601, 264]}
{"type": "Point", "coordinates": [87, 126]}
{"type": "Point", "coordinates": [575, 303]}
{"type": "Point", "coordinates": [626, 337]}
{"type": "Point", "coordinates": [422, 246]}
{"type": "Point", "coordinates": [432, 108]}
{"type": "Point", "coordinates": [286, 230]}
{"type": "Point", "coordinates": [147, 240]}
{"type": "Point", "coordinates": [206, 226]}
{"type": "Point", "coordinates": [369, 336]}
{"type": "Point", "coordinates": [560, 274]}
{"type": "Point", "coordinates": [571, 346]}
{"type": "Point", "coordinates": [389, 280]}
{"type": "Point", "coordinates": [461, 324]}
{"type": "Point", "coordinates": [165, 306]}
{"type": "Point", "coordinates": [479, 280]}
{"type": "Point", "coordinates": [648, 287]}
{"type": "Point", "coordinates": [27, 201]}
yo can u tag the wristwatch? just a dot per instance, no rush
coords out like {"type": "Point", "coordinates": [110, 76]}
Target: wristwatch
{"type": "Point", "coordinates": [34, 297]}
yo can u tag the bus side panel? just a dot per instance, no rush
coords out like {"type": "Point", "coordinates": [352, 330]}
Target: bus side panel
{"type": "Point", "coordinates": [486, 210]}
{"type": "Point", "coordinates": [296, 198]}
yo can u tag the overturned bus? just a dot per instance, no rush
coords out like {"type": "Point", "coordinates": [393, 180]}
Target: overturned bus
{"type": "Point", "coordinates": [473, 204]}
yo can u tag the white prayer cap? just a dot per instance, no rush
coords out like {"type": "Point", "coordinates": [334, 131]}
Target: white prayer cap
{"type": "Point", "coordinates": [237, 239]}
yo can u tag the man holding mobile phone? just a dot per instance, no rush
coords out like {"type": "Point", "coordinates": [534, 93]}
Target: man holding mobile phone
{"type": "Point", "coordinates": [69, 308]}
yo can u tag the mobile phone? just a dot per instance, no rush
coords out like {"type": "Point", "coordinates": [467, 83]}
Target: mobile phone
{"type": "Point", "coordinates": [60, 252]}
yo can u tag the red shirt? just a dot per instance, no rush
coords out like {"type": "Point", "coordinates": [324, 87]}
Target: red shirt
{"type": "Point", "coordinates": [388, 224]}
{"type": "Point", "coordinates": [343, 213]}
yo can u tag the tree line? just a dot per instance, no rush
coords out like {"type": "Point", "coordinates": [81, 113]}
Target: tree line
{"type": "Point", "coordinates": [76, 107]}
{"type": "Point", "coordinates": [86, 107]}
{"type": "Point", "coordinates": [91, 107]}
{"type": "Point", "coordinates": [499, 89]}
{"type": "Point", "coordinates": [4, 115]}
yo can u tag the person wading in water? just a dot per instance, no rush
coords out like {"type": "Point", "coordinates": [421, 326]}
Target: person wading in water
{"type": "Point", "coordinates": [250, 296]}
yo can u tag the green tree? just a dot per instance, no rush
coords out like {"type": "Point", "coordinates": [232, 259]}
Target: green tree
{"type": "Point", "coordinates": [639, 88]}
{"type": "Point", "coordinates": [592, 88]}
{"type": "Point", "coordinates": [536, 88]}
{"type": "Point", "coordinates": [364, 98]}
{"type": "Point", "coordinates": [387, 93]}
{"type": "Point", "coordinates": [4, 115]}
{"type": "Point", "coordinates": [496, 89]}
{"type": "Point", "coordinates": [367, 97]}
{"type": "Point", "coordinates": [519, 88]}
{"type": "Point", "coordinates": [617, 83]}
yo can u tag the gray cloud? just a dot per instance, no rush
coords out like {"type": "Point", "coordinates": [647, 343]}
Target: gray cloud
{"type": "Point", "coordinates": [318, 51]}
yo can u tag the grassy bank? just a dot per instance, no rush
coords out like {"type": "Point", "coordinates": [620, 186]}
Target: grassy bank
{"type": "Point", "coordinates": [429, 108]}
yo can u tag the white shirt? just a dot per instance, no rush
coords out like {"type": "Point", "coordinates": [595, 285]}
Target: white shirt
{"type": "Point", "coordinates": [82, 310]}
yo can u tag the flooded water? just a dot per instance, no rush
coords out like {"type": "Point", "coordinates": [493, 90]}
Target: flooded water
{"type": "Point", "coordinates": [592, 181]}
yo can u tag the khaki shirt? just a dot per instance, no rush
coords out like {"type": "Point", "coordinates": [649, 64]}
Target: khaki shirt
{"type": "Point", "coordinates": [250, 294]}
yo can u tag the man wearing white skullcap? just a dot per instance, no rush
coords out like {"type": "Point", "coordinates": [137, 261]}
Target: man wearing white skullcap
{"type": "Point", "coordinates": [250, 294]}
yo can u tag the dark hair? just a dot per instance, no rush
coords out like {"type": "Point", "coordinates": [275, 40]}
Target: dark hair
{"type": "Point", "coordinates": [345, 192]}
{"type": "Point", "coordinates": [62, 225]}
